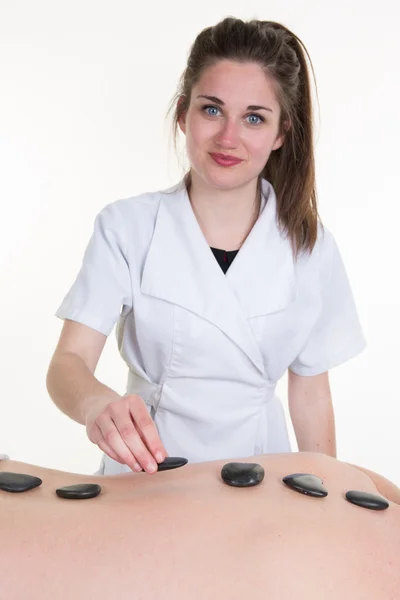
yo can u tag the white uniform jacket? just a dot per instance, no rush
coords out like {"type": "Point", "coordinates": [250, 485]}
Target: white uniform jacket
{"type": "Point", "coordinates": [205, 349]}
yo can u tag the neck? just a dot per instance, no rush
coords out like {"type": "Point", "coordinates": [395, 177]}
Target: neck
{"type": "Point", "coordinates": [226, 217]}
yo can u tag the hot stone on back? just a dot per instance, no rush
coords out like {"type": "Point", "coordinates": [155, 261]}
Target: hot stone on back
{"type": "Point", "coordinates": [79, 491]}
{"type": "Point", "coordinates": [239, 474]}
{"type": "Point", "coordinates": [306, 484]}
{"type": "Point", "coordinates": [18, 482]}
{"type": "Point", "coordinates": [172, 462]}
{"type": "Point", "coordinates": [367, 500]}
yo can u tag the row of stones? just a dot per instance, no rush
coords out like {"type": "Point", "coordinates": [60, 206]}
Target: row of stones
{"type": "Point", "coordinates": [21, 482]}
{"type": "Point", "coordinates": [233, 474]}
{"type": "Point", "coordinates": [250, 474]}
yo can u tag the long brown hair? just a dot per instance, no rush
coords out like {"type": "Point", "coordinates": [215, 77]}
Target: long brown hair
{"type": "Point", "coordinates": [282, 56]}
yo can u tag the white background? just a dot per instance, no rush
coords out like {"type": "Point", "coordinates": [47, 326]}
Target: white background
{"type": "Point", "coordinates": [85, 86]}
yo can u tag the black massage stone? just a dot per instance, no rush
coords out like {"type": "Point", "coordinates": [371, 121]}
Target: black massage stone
{"type": "Point", "coordinates": [79, 491]}
{"type": "Point", "coordinates": [242, 474]}
{"type": "Point", "coordinates": [367, 500]}
{"type": "Point", "coordinates": [306, 484]}
{"type": "Point", "coordinates": [18, 482]}
{"type": "Point", "coordinates": [172, 462]}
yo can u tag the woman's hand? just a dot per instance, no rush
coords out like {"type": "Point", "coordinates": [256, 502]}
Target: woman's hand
{"type": "Point", "coordinates": [124, 430]}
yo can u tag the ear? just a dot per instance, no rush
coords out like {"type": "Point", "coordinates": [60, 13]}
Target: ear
{"type": "Point", "coordinates": [182, 118]}
{"type": "Point", "coordinates": [182, 124]}
{"type": "Point", "coordinates": [279, 140]}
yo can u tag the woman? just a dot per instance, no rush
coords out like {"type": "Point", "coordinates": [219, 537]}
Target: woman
{"type": "Point", "coordinates": [225, 280]}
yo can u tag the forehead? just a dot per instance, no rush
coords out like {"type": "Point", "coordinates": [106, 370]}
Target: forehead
{"type": "Point", "coordinates": [231, 81]}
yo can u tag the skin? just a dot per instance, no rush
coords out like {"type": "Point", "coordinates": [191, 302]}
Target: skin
{"type": "Point", "coordinates": [186, 534]}
{"type": "Point", "coordinates": [223, 198]}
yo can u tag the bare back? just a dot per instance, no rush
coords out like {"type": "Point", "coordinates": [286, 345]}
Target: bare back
{"type": "Point", "coordinates": [185, 534]}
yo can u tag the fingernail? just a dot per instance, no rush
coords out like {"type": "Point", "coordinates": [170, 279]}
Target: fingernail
{"type": "Point", "coordinates": [137, 467]}
{"type": "Point", "coordinates": [159, 457]}
{"type": "Point", "coordinates": [151, 467]}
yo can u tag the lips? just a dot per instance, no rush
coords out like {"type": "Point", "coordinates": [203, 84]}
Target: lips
{"type": "Point", "coordinates": [224, 160]}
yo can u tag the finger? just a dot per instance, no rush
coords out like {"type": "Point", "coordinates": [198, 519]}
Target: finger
{"type": "Point", "coordinates": [163, 453]}
{"type": "Point", "coordinates": [102, 444]}
{"type": "Point", "coordinates": [127, 430]}
{"type": "Point", "coordinates": [146, 428]}
{"type": "Point", "coordinates": [97, 438]}
{"type": "Point", "coordinates": [114, 440]}
{"type": "Point", "coordinates": [107, 450]}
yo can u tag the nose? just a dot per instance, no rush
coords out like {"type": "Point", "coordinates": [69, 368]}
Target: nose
{"type": "Point", "coordinates": [228, 136]}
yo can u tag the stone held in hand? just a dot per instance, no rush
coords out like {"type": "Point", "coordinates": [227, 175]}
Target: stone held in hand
{"type": "Point", "coordinates": [307, 484]}
{"type": "Point", "coordinates": [239, 474]}
{"type": "Point", "coordinates": [172, 462]}
{"type": "Point", "coordinates": [18, 482]}
{"type": "Point", "coordinates": [367, 500]}
{"type": "Point", "coordinates": [79, 491]}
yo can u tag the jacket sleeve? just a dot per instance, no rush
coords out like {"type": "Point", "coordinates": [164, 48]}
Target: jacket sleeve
{"type": "Point", "coordinates": [337, 335]}
{"type": "Point", "coordinates": [103, 284]}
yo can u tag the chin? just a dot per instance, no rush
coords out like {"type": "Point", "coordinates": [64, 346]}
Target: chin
{"type": "Point", "coordinates": [220, 177]}
{"type": "Point", "coordinates": [223, 183]}
{"type": "Point", "coordinates": [229, 180]}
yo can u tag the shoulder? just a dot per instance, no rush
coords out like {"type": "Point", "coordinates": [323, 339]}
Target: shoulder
{"type": "Point", "coordinates": [129, 210]}
{"type": "Point", "coordinates": [325, 248]}
{"type": "Point", "coordinates": [325, 245]}
{"type": "Point", "coordinates": [316, 266]}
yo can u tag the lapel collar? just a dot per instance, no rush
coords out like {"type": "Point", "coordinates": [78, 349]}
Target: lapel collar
{"type": "Point", "coordinates": [263, 272]}
{"type": "Point", "coordinates": [181, 268]}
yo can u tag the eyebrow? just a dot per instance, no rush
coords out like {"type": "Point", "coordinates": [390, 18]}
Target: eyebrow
{"type": "Point", "coordinates": [250, 107]}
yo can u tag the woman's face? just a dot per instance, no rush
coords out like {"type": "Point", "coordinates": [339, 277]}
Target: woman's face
{"type": "Point", "coordinates": [225, 124]}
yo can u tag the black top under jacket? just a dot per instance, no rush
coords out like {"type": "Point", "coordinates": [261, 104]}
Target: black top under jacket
{"type": "Point", "coordinates": [224, 258]}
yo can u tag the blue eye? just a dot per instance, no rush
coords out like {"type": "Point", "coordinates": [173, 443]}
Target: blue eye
{"type": "Point", "coordinates": [208, 106]}
{"type": "Point", "coordinates": [257, 117]}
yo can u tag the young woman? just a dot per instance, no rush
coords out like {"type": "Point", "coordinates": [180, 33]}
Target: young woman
{"type": "Point", "coordinates": [219, 284]}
